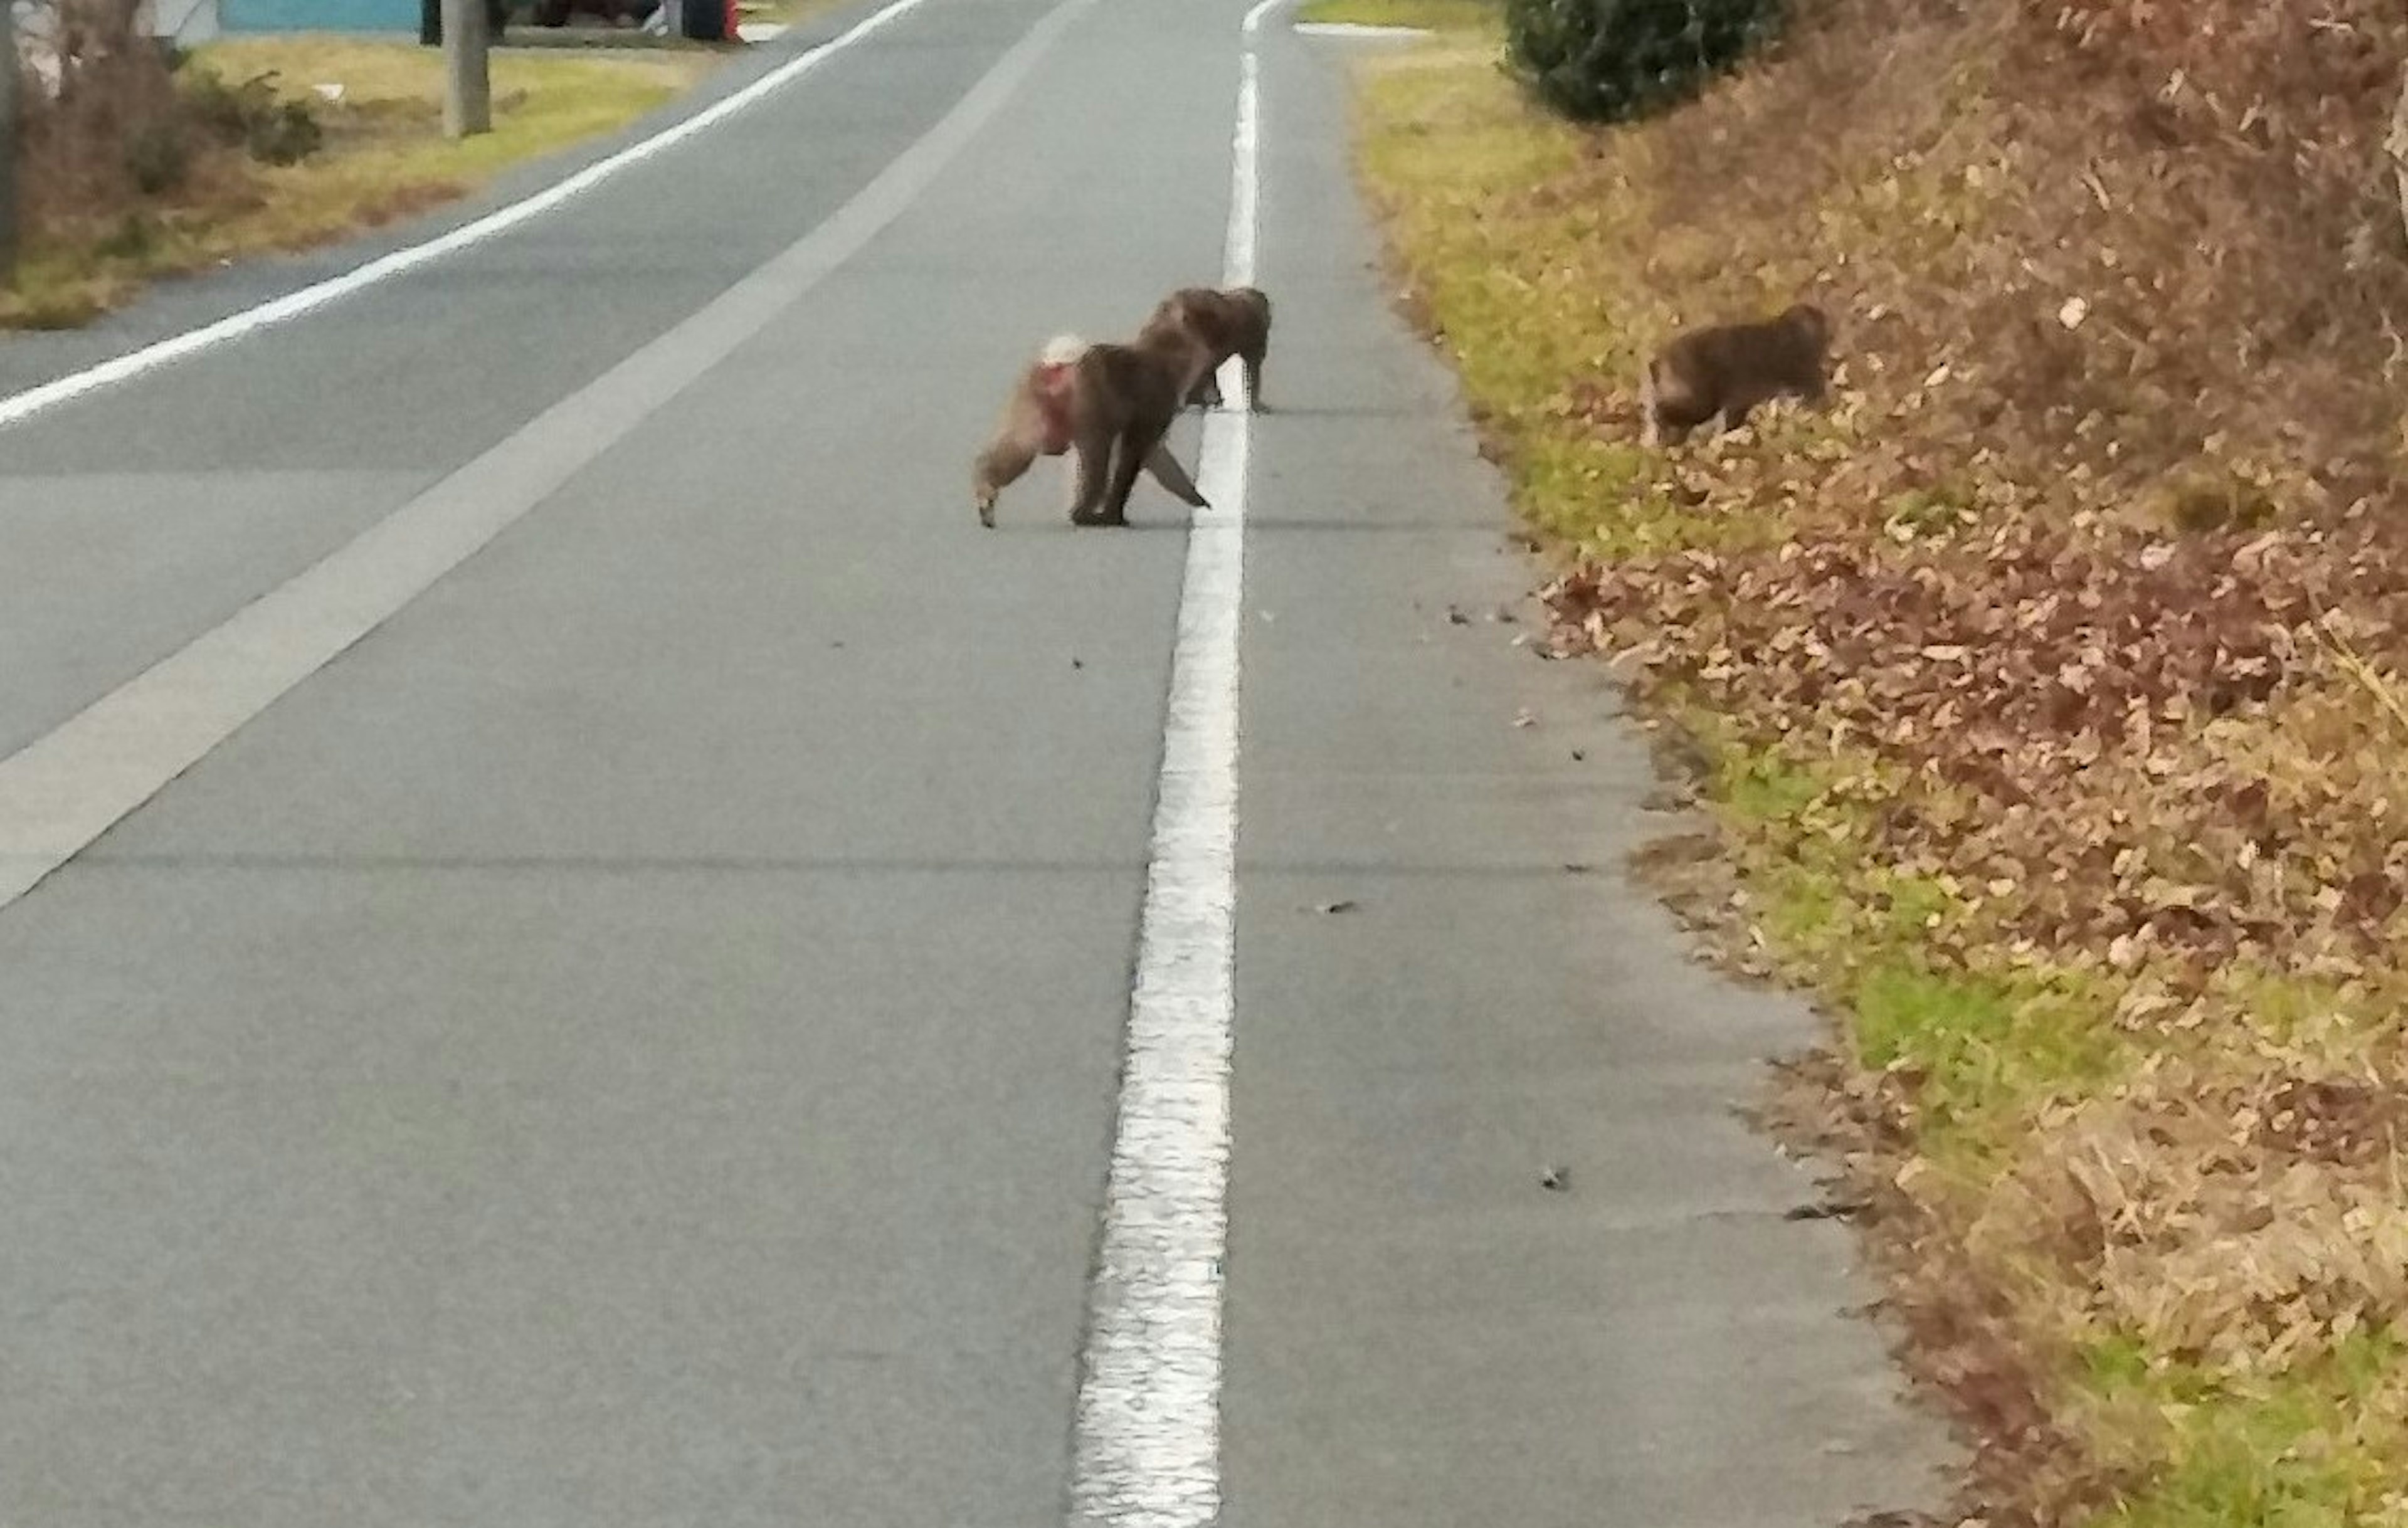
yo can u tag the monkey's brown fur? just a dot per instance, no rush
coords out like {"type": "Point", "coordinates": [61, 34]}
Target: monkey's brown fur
{"type": "Point", "coordinates": [1124, 399]}
{"type": "Point", "coordinates": [1728, 369]}
{"type": "Point", "coordinates": [1113, 403]}
{"type": "Point", "coordinates": [1226, 321]}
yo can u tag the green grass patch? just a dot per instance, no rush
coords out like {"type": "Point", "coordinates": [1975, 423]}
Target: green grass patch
{"type": "Point", "coordinates": [1463, 170]}
{"type": "Point", "coordinates": [1427, 15]}
{"type": "Point", "coordinates": [2322, 1446]}
{"type": "Point", "coordinates": [1987, 1048]}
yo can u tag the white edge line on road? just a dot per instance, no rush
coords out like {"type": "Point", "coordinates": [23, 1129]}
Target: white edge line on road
{"type": "Point", "coordinates": [1148, 1438]}
{"type": "Point", "coordinates": [1359, 28]}
{"type": "Point", "coordinates": [293, 304]}
{"type": "Point", "coordinates": [69, 786]}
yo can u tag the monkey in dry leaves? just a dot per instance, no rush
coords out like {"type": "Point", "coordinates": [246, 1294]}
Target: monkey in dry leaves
{"type": "Point", "coordinates": [1726, 370]}
{"type": "Point", "coordinates": [1112, 405]}
{"type": "Point", "coordinates": [1226, 321]}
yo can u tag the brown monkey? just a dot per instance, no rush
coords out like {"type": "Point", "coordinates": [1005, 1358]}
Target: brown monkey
{"type": "Point", "coordinates": [1731, 369]}
{"type": "Point", "coordinates": [1124, 399]}
{"type": "Point", "coordinates": [1042, 417]}
{"type": "Point", "coordinates": [1235, 320]}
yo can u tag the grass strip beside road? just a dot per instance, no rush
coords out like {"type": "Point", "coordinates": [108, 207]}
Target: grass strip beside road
{"type": "Point", "coordinates": [1427, 15]}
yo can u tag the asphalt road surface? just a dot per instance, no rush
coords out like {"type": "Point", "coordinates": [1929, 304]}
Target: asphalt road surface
{"type": "Point", "coordinates": [579, 947]}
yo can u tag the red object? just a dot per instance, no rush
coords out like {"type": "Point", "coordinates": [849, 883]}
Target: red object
{"type": "Point", "coordinates": [1054, 399]}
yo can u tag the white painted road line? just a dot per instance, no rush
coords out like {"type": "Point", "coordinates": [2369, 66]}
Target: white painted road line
{"type": "Point", "coordinates": [1148, 1446]}
{"type": "Point", "coordinates": [68, 787]}
{"type": "Point", "coordinates": [293, 304]}
{"type": "Point", "coordinates": [1360, 30]}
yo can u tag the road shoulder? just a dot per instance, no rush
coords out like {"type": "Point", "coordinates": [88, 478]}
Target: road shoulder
{"type": "Point", "coordinates": [1501, 1249]}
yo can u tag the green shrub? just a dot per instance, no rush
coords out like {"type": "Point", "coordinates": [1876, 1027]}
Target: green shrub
{"type": "Point", "coordinates": [1615, 60]}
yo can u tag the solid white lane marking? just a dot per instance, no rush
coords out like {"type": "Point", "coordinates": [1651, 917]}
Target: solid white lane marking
{"type": "Point", "coordinates": [68, 787]}
{"type": "Point", "coordinates": [293, 304]}
{"type": "Point", "coordinates": [1148, 1448]}
{"type": "Point", "coordinates": [1359, 28]}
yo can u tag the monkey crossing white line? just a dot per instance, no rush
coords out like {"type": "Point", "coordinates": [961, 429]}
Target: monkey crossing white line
{"type": "Point", "coordinates": [1147, 1444]}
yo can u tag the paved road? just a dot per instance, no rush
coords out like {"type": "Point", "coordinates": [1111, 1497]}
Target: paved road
{"type": "Point", "coordinates": [638, 1035]}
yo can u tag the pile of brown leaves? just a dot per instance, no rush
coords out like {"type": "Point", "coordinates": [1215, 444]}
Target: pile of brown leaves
{"type": "Point", "coordinates": [2083, 710]}
{"type": "Point", "coordinates": [2242, 1224]}
{"type": "Point", "coordinates": [2105, 553]}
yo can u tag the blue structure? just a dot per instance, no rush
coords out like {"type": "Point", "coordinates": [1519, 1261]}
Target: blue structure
{"type": "Point", "coordinates": [239, 16]}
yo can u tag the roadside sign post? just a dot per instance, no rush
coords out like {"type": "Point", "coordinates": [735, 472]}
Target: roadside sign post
{"type": "Point", "coordinates": [467, 82]}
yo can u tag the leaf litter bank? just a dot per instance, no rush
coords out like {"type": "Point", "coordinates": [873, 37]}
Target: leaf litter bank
{"type": "Point", "coordinates": [2047, 691]}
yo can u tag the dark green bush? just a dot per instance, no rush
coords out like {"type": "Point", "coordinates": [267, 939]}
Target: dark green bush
{"type": "Point", "coordinates": [1615, 60]}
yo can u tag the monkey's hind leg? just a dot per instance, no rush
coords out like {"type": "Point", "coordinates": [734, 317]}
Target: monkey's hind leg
{"type": "Point", "coordinates": [1253, 361]}
{"type": "Point", "coordinates": [1740, 405]}
{"type": "Point", "coordinates": [1071, 481]}
{"type": "Point", "coordinates": [1130, 453]}
{"type": "Point", "coordinates": [1093, 449]}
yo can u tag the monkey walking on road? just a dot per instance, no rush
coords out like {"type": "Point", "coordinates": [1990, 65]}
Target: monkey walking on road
{"type": "Point", "coordinates": [1226, 321]}
{"type": "Point", "coordinates": [1112, 405]}
{"type": "Point", "coordinates": [1728, 369]}
{"type": "Point", "coordinates": [1128, 395]}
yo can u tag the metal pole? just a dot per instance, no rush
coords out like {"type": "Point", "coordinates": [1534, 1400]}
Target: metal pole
{"type": "Point", "coordinates": [467, 86]}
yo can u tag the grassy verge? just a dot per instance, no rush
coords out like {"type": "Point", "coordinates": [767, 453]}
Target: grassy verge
{"type": "Point", "coordinates": [785, 12]}
{"type": "Point", "coordinates": [385, 156]}
{"type": "Point", "coordinates": [1430, 15]}
{"type": "Point", "coordinates": [2043, 691]}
